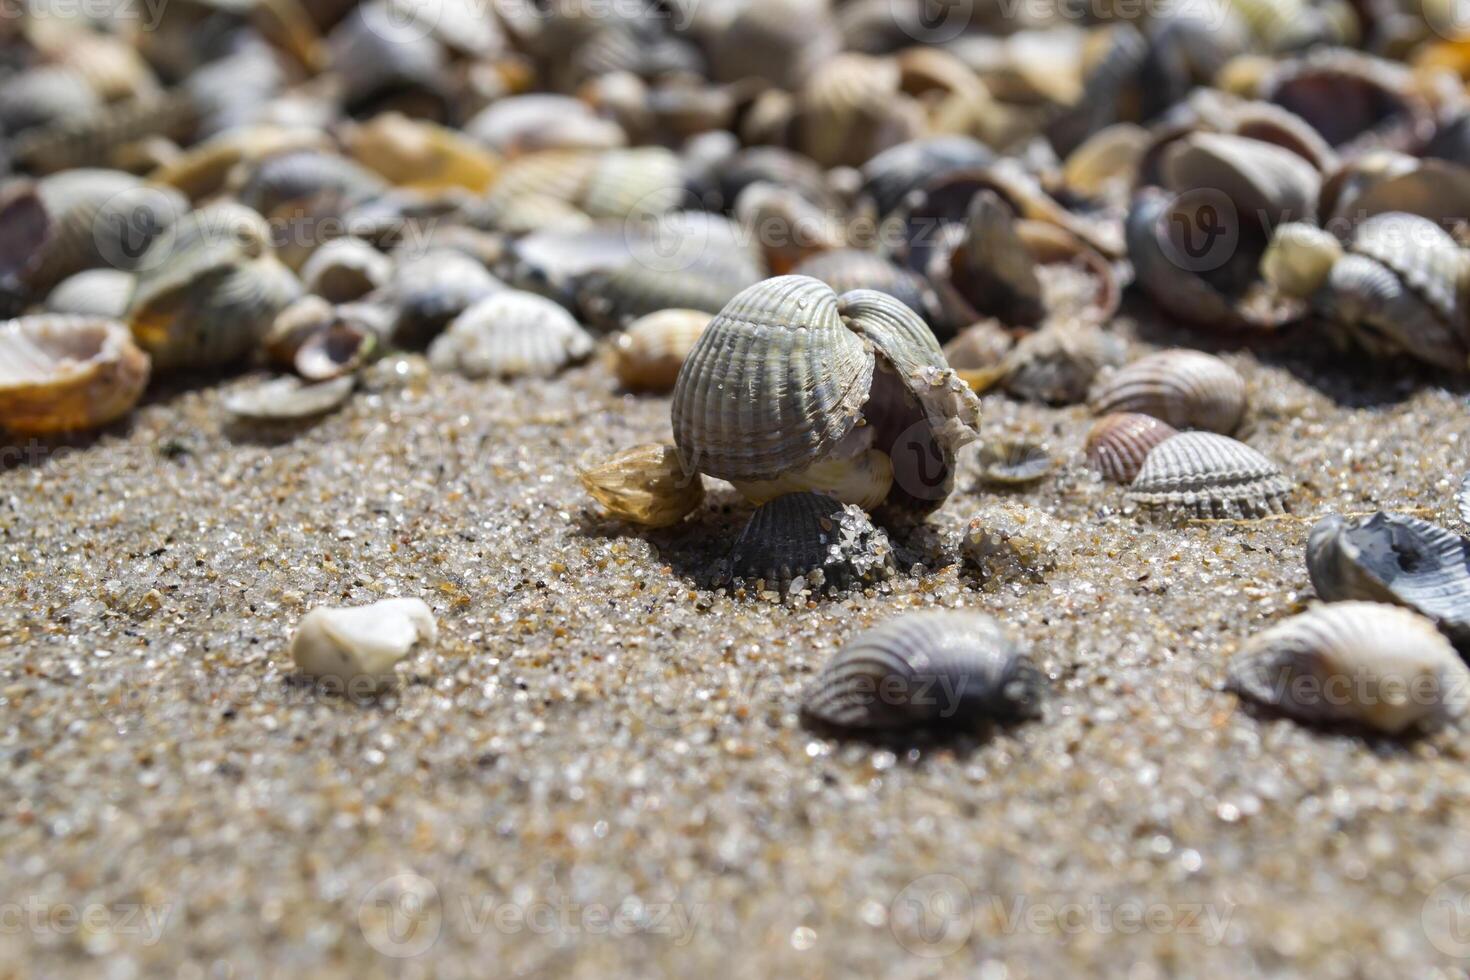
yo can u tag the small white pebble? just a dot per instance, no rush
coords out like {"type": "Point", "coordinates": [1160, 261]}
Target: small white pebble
{"type": "Point", "coordinates": [359, 645]}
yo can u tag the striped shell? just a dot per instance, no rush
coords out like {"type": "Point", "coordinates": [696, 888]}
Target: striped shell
{"type": "Point", "coordinates": [61, 373]}
{"type": "Point", "coordinates": [1208, 475]}
{"type": "Point", "coordinates": [1014, 462]}
{"type": "Point", "coordinates": [1397, 559]}
{"type": "Point", "coordinates": [345, 269]}
{"type": "Point", "coordinates": [810, 540]}
{"type": "Point", "coordinates": [1356, 662]}
{"type": "Point", "coordinates": [772, 394]}
{"type": "Point", "coordinates": [851, 108]}
{"type": "Point", "coordinates": [96, 292]}
{"type": "Point", "coordinates": [649, 354]}
{"type": "Point", "coordinates": [1187, 389]}
{"type": "Point", "coordinates": [511, 334]}
{"type": "Point", "coordinates": [933, 668]}
{"type": "Point", "coordinates": [527, 123]}
{"type": "Point", "coordinates": [644, 485]}
{"type": "Point", "coordinates": [631, 183]}
{"type": "Point", "coordinates": [1119, 443]}
{"type": "Point", "coordinates": [846, 269]}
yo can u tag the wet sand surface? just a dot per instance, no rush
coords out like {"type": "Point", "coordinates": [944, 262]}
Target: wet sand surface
{"type": "Point", "coordinates": [599, 771]}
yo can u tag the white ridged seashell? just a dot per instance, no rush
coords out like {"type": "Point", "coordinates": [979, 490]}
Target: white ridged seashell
{"type": "Point", "coordinates": [1209, 475]}
{"type": "Point", "coordinates": [95, 292]}
{"type": "Point", "coordinates": [1186, 388]}
{"type": "Point", "coordinates": [773, 393]}
{"type": "Point", "coordinates": [1119, 443]}
{"type": "Point", "coordinates": [286, 399]}
{"type": "Point", "coordinates": [933, 668]}
{"type": "Point", "coordinates": [358, 646]}
{"type": "Point", "coordinates": [1362, 662]}
{"type": "Point", "coordinates": [813, 541]}
{"type": "Point", "coordinates": [511, 334]}
{"type": "Point", "coordinates": [60, 373]}
{"type": "Point", "coordinates": [649, 354]}
{"type": "Point", "coordinates": [1398, 559]}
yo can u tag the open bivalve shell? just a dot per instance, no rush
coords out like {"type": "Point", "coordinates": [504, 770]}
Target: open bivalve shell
{"type": "Point", "coordinates": [60, 373]}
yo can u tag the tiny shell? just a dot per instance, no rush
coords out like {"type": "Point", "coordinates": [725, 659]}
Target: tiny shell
{"type": "Point", "coordinates": [60, 373]}
{"type": "Point", "coordinates": [649, 354]}
{"type": "Point", "coordinates": [1210, 475]}
{"type": "Point", "coordinates": [345, 269]}
{"type": "Point", "coordinates": [1362, 662]}
{"type": "Point", "coordinates": [1397, 559]}
{"type": "Point", "coordinates": [933, 668]}
{"type": "Point", "coordinates": [511, 334]}
{"type": "Point", "coordinates": [1014, 463]}
{"type": "Point", "coordinates": [1119, 443]}
{"type": "Point", "coordinates": [1186, 388]}
{"type": "Point", "coordinates": [1058, 364]}
{"type": "Point", "coordinates": [811, 540]}
{"type": "Point", "coordinates": [358, 646]}
{"type": "Point", "coordinates": [286, 399]}
{"type": "Point", "coordinates": [644, 485]}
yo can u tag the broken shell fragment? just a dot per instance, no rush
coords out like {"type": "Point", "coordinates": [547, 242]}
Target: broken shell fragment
{"type": "Point", "coordinates": [1359, 662]}
{"type": "Point", "coordinates": [1206, 475]}
{"type": "Point", "coordinates": [1396, 559]}
{"type": "Point", "coordinates": [511, 334]}
{"type": "Point", "coordinates": [61, 373]}
{"type": "Point", "coordinates": [1119, 443]}
{"type": "Point", "coordinates": [1186, 388]}
{"type": "Point", "coordinates": [810, 541]}
{"type": "Point", "coordinates": [644, 485]}
{"type": "Point", "coordinates": [286, 399]}
{"type": "Point", "coordinates": [1014, 463]}
{"type": "Point", "coordinates": [923, 669]}
{"type": "Point", "coordinates": [649, 354]}
{"type": "Point", "coordinates": [358, 646]}
{"type": "Point", "coordinates": [1058, 364]}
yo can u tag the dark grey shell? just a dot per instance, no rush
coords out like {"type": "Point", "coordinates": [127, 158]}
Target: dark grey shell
{"type": "Point", "coordinates": [1398, 559]}
{"type": "Point", "coordinates": [90, 140]}
{"type": "Point", "coordinates": [814, 538]}
{"type": "Point", "coordinates": [1208, 475]}
{"type": "Point", "coordinates": [846, 269]}
{"type": "Point", "coordinates": [303, 176]}
{"type": "Point", "coordinates": [899, 171]}
{"type": "Point", "coordinates": [924, 669]}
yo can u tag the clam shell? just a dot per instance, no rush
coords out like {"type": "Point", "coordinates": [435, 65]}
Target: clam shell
{"type": "Point", "coordinates": [644, 485]}
{"type": "Point", "coordinates": [891, 176]}
{"type": "Point", "coordinates": [1185, 388]}
{"type": "Point", "coordinates": [810, 540]}
{"type": "Point", "coordinates": [93, 139]}
{"type": "Point", "coordinates": [632, 183]}
{"type": "Point", "coordinates": [1266, 183]}
{"type": "Point", "coordinates": [527, 123]}
{"type": "Point", "coordinates": [1355, 101]}
{"type": "Point", "coordinates": [511, 334]}
{"type": "Point", "coordinates": [1015, 463]}
{"type": "Point", "coordinates": [1396, 559]}
{"type": "Point", "coordinates": [1357, 662]}
{"type": "Point", "coordinates": [300, 178]}
{"type": "Point", "coordinates": [60, 373]}
{"type": "Point", "coordinates": [1119, 443]}
{"type": "Point", "coordinates": [286, 399]}
{"type": "Point", "coordinates": [846, 269]}
{"type": "Point", "coordinates": [992, 268]}
{"type": "Point", "coordinates": [851, 108]}
{"type": "Point", "coordinates": [345, 269]}
{"type": "Point", "coordinates": [376, 51]}
{"type": "Point", "coordinates": [649, 354]}
{"type": "Point", "coordinates": [537, 191]}
{"type": "Point", "coordinates": [776, 41]}
{"type": "Point", "coordinates": [419, 155]}
{"type": "Point", "coordinates": [96, 292]}
{"type": "Point", "coordinates": [926, 669]}
{"type": "Point", "coordinates": [432, 288]}
{"type": "Point", "coordinates": [319, 340]}
{"type": "Point", "coordinates": [787, 226]}
{"type": "Point", "coordinates": [1209, 475]}
{"type": "Point", "coordinates": [98, 218]}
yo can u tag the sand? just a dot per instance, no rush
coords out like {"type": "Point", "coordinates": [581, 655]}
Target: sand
{"type": "Point", "coordinates": [599, 770]}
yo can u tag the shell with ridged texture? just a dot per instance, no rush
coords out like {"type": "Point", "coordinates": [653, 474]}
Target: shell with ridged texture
{"type": "Point", "coordinates": [1203, 474]}
{"type": "Point", "coordinates": [511, 334]}
{"type": "Point", "coordinates": [1187, 389]}
{"type": "Point", "coordinates": [1119, 443]}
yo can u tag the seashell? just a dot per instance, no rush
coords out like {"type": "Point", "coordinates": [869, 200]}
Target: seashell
{"type": "Point", "coordinates": [510, 334]}
{"type": "Point", "coordinates": [644, 485]}
{"type": "Point", "coordinates": [1355, 101]}
{"type": "Point", "coordinates": [207, 293]}
{"type": "Point", "coordinates": [633, 183]}
{"type": "Point", "coordinates": [358, 646]}
{"type": "Point", "coordinates": [202, 169]}
{"type": "Point", "coordinates": [319, 340]}
{"type": "Point", "coordinates": [1358, 662]}
{"type": "Point", "coordinates": [96, 138]}
{"type": "Point", "coordinates": [851, 108]}
{"type": "Point", "coordinates": [772, 395]}
{"type": "Point", "coordinates": [61, 373]}
{"type": "Point", "coordinates": [1188, 47]}
{"type": "Point", "coordinates": [1209, 475]}
{"type": "Point", "coordinates": [1380, 182]}
{"type": "Point", "coordinates": [1396, 559]}
{"type": "Point", "coordinates": [1264, 182]}
{"type": "Point", "coordinates": [528, 123]}
{"type": "Point", "coordinates": [95, 292]}
{"type": "Point", "coordinates": [891, 176]}
{"type": "Point", "coordinates": [1214, 111]}
{"type": "Point", "coordinates": [432, 288]}
{"type": "Point", "coordinates": [951, 98]}
{"type": "Point", "coordinates": [45, 95]}
{"type": "Point", "coordinates": [537, 190]}
{"type": "Point", "coordinates": [1188, 389]}
{"type": "Point", "coordinates": [1014, 463]}
{"type": "Point", "coordinates": [419, 155]}
{"type": "Point", "coordinates": [1058, 364]}
{"type": "Point", "coordinates": [380, 55]}
{"type": "Point", "coordinates": [1111, 61]}
{"type": "Point", "coordinates": [345, 269]}
{"type": "Point", "coordinates": [297, 179]}
{"type": "Point", "coordinates": [802, 541]}
{"type": "Point", "coordinates": [114, 69]}
{"type": "Point", "coordinates": [286, 399]}
{"type": "Point", "coordinates": [772, 166]}
{"type": "Point", "coordinates": [1012, 543]}
{"type": "Point", "coordinates": [992, 269]}
{"type": "Point", "coordinates": [846, 269]}
{"type": "Point", "coordinates": [788, 227]}
{"type": "Point", "coordinates": [1119, 443]}
{"type": "Point", "coordinates": [556, 263]}
{"type": "Point", "coordinates": [949, 668]}
{"type": "Point", "coordinates": [1109, 159]}
{"type": "Point", "coordinates": [1300, 258]}
{"type": "Point", "coordinates": [649, 354]}
{"type": "Point", "coordinates": [775, 41]}
{"type": "Point", "coordinates": [981, 347]}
